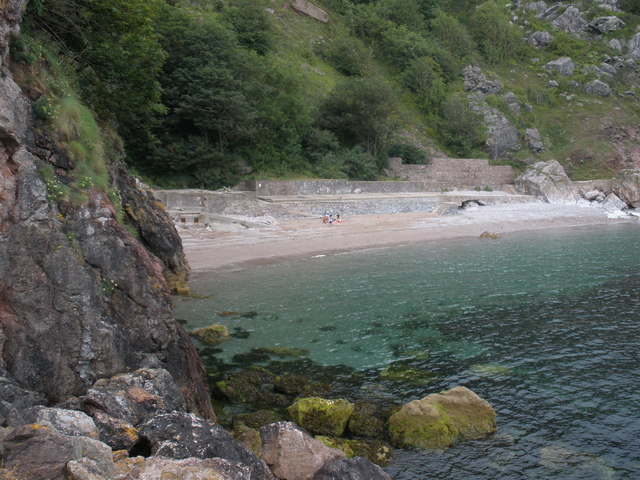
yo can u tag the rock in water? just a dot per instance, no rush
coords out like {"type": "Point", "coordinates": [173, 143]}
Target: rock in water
{"type": "Point", "coordinates": [548, 181]}
{"type": "Point", "coordinates": [440, 420]}
{"type": "Point", "coordinates": [356, 468]}
{"type": "Point", "coordinates": [213, 334]}
{"type": "Point", "coordinates": [321, 416]}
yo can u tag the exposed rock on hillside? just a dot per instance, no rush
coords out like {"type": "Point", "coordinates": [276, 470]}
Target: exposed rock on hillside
{"type": "Point", "coordinates": [628, 188]}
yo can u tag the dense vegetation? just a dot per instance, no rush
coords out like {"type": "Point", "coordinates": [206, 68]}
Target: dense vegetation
{"type": "Point", "coordinates": [204, 92]}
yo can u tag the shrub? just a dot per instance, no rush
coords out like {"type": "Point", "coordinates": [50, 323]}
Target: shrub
{"type": "Point", "coordinates": [409, 153]}
{"type": "Point", "coordinates": [460, 128]}
{"type": "Point", "coordinates": [348, 55]}
{"type": "Point", "coordinates": [423, 77]}
{"type": "Point", "coordinates": [497, 38]}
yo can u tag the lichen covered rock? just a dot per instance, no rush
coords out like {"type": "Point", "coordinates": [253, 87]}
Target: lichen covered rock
{"type": "Point", "coordinates": [440, 420]}
{"type": "Point", "coordinates": [322, 416]}
{"type": "Point", "coordinates": [373, 450]}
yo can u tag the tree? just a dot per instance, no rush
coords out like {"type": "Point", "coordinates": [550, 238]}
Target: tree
{"type": "Point", "coordinates": [497, 38]}
{"type": "Point", "coordinates": [360, 112]}
{"type": "Point", "coordinates": [424, 78]}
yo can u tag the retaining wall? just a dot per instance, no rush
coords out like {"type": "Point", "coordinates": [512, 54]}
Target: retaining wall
{"type": "Point", "coordinates": [282, 188]}
{"type": "Point", "coordinates": [454, 172]}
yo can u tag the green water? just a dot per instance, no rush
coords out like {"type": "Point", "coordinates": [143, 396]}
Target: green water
{"type": "Point", "coordinates": [544, 325]}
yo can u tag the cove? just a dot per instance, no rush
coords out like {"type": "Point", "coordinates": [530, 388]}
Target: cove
{"type": "Point", "coordinates": [543, 325]}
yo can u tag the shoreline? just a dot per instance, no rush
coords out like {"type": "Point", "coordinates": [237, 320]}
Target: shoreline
{"type": "Point", "coordinates": [290, 239]}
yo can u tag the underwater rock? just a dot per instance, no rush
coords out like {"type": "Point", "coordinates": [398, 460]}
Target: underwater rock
{"type": "Point", "coordinates": [373, 450]}
{"type": "Point", "coordinates": [213, 334]}
{"type": "Point", "coordinates": [282, 351]}
{"type": "Point", "coordinates": [439, 420]}
{"type": "Point", "coordinates": [407, 374]}
{"type": "Point", "coordinates": [256, 419]}
{"type": "Point", "coordinates": [321, 416]}
{"type": "Point", "coordinates": [253, 385]}
{"type": "Point", "coordinates": [492, 235]}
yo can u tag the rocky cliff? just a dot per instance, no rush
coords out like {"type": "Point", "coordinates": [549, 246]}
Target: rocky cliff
{"type": "Point", "coordinates": [80, 297]}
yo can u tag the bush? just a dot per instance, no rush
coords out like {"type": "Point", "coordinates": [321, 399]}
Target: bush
{"type": "Point", "coordinates": [423, 77]}
{"type": "Point", "coordinates": [353, 163]}
{"type": "Point", "coordinates": [497, 38]}
{"type": "Point", "coordinates": [460, 128]}
{"type": "Point", "coordinates": [409, 153]}
{"type": "Point", "coordinates": [348, 55]}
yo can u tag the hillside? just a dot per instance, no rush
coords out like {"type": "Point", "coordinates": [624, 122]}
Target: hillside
{"type": "Point", "coordinates": [206, 93]}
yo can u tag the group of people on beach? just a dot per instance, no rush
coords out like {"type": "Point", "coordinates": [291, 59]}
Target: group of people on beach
{"type": "Point", "coordinates": [328, 218]}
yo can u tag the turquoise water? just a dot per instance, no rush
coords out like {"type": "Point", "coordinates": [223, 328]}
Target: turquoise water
{"type": "Point", "coordinates": [543, 325]}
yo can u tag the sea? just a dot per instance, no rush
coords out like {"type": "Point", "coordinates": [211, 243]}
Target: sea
{"type": "Point", "coordinates": [544, 325]}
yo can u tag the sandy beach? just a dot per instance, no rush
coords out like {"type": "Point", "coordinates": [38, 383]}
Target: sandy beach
{"type": "Point", "coordinates": [238, 248]}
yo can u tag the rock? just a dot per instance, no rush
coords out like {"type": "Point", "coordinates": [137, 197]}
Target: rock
{"type": "Point", "coordinates": [570, 21]}
{"type": "Point", "coordinates": [533, 139]}
{"type": "Point", "coordinates": [292, 454]}
{"type": "Point", "coordinates": [34, 452]}
{"type": "Point", "coordinates": [13, 398]}
{"type": "Point", "coordinates": [155, 228]}
{"type": "Point", "coordinates": [548, 181]}
{"type": "Point", "coordinates": [181, 435]}
{"type": "Point", "coordinates": [562, 66]}
{"type": "Point", "coordinates": [439, 420]}
{"type": "Point", "coordinates": [213, 334]}
{"type": "Point", "coordinates": [553, 84]}
{"type": "Point", "coordinates": [592, 195]}
{"type": "Point", "coordinates": [356, 468]}
{"type": "Point", "coordinates": [615, 44]}
{"type": "Point", "coordinates": [476, 81]}
{"type": "Point", "coordinates": [253, 385]}
{"type": "Point", "coordinates": [627, 188]}
{"type": "Point", "coordinates": [598, 88]}
{"type": "Point", "coordinates": [540, 39]}
{"type": "Point", "coordinates": [538, 7]}
{"type": "Point", "coordinates": [512, 102]}
{"type": "Point", "coordinates": [365, 421]}
{"type": "Point", "coordinates": [321, 416]}
{"type": "Point", "coordinates": [116, 433]}
{"type": "Point", "coordinates": [256, 419]}
{"type": "Point", "coordinates": [634, 47]}
{"type": "Point", "coordinates": [135, 397]}
{"type": "Point", "coordinates": [608, 24]}
{"type": "Point", "coordinates": [307, 8]}
{"type": "Point", "coordinates": [608, 70]}
{"type": "Point", "coordinates": [491, 235]}
{"type": "Point", "coordinates": [159, 468]}
{"type": "Point", "coordinates": [84, 469]}
{"type": "Point", "coordinates": [373, 450]}
{"type": "Point", "coordinates": [613, 204]}
{"type": "Point", "coordinates": [292, 384]}
{"type": "Point", "coordinates": [64, 422]}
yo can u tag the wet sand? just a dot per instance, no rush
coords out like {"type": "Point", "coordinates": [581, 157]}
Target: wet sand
{"type": "Point", "coordinates": [224, 250]}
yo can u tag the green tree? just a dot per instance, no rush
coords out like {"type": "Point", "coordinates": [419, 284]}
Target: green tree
{"type": "Point", "coordinates": [251, 24]}
{"type": "Point", "coordinates": [497, 39]}
{"type": "Point", "coordinates": [423, 76]}
{"type": "Point", "coordinates": [360, 112]}
{"type": "Point", "coordinates": [460, 128]}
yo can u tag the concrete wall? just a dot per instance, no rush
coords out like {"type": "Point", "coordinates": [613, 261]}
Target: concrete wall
{"type": "Point", "coordinates": [200, 200]}
{"type": "Point", "coordinates": [278, 188]}
{"type": "Point", "coordinates": [455, 173]}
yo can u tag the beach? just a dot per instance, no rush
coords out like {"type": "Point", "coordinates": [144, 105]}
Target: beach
{"type": "Point", "coordinates": [220, 248]}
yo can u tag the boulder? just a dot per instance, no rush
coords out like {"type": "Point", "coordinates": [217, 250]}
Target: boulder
{"type": "Point", "coordinates": [365, 421]}
{"type": "Point", "coordinates": [213, 334]}
{"type": "Point", "coordinates": [13, 398]}
{"type": "Point", "coordinates": [538, 7]}
{"type": "Point", "coordinates": [533, 139]}
{"type": "Point", "coordinates": [570, 21]}
{"type": "Point", "coordinates": [490, 235]}
{"type": "Point", "coordinates": [321, 416]}
{"type": "Point", "coordinates": [182, 435]}
{"type": "Point", "coordinates": [476, 81]}
{"type": "Point", "coordinates": [135, 397]}
{"type": "Point", "coordinates": [598, 87]}
{"type": "Point", "coordinates": [34, 452]}
{"type": "Point", "coordinates": [562, 66]}
{"type": "Point", "coordinates": [592, 195]}
{"type": "Point", "coordinates": [253, 385]}
{"type": "Point", "coordinates": [160, 468]}
{"type": "Point", "coordinates": [540, 39]}
{"type": "Point", "coordinates": [292, 454]}
{"type": "Point", "coordinates": [63, 421]}
{"type": "Point", "coordinates": [613, 204]}
{"type": "Point", "coordinates": [117, 433]}
{"type": "Point", "coordinates": [356, 468]}
{"type": "Point", "coordinates": [548, 181]}
{"type": "Point", "coordinates": [607, 24]}
{"type": "Point", "coordinates": [634, 47]}
{"type": "Point", "coordinates": [440, 420]}
{"type": "Point", "coordinates": [627, 188]}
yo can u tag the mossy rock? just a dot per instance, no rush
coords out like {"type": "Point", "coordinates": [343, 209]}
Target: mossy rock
{"type": "Point", "coordinates": [440, 420]}
{"type": "Point", "coordinates": [255, 420]}
{"type": "Point", "coordinates": [250, 438]}
{"type": "Point", "coordinates": [213, 334]}
{"type": "Point", "coordinates": [373, 450]}
{"type": "Point", "coordinates": [282, 351]}
{"type": "Point", "coordinates": [491, 369]}
{"type": "Point", "coordinates": [366, 422]}
{"type": "Point", "coordinates": [321, 416]}
{"type": "Point", "coordinates": [292, 384]}
{"type": "Point", "coordinates": [249, 385]}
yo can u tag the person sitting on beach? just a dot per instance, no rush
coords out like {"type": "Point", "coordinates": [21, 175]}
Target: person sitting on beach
{"type": "Point", "coordinates": [326, 217]}
{"type": "Point", "coordinates": [338, 219]}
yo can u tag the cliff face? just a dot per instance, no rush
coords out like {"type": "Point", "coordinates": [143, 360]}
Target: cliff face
{"type": "Point", "coordinates": [80, 298]}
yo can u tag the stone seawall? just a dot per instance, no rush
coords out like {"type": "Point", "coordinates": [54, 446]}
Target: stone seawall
{"type": "Point", "coordinates": [279, 188]}
{"type": "Point", "coordinates": [454, 173]}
